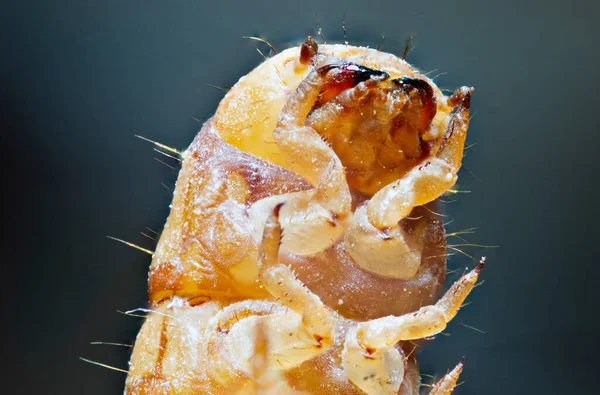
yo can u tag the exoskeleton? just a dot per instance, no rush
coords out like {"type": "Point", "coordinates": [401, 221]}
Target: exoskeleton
{"type": "Point", "coordinates": [301, 253]}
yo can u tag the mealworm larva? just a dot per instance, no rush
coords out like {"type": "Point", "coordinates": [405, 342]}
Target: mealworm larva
{"type": "Point", "coordinates": [302, 253]}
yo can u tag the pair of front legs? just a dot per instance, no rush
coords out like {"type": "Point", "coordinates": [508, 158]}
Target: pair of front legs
{"type": "Point", "coordinates": [315, 219]}
{"type": "Point", "coordinates": [262, 339]}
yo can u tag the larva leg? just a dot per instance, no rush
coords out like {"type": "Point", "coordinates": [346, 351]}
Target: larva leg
{"type": "Point", "coordinates": [281, 283]}
{"type": "Point", "coordinates": [267, 381]}
{"type": "Point", "coordinates": [375, 240]}
{"type": "Point", "coordinates": [296, 332]}
{"type": "Point", "coordinates": [378, 371]}
{"type": "Point", "coordinates": [447, 384]}
{"type": "Point", "coordinates": [314, 219]}
{"type": "Point", "coordinates": [369, 350]}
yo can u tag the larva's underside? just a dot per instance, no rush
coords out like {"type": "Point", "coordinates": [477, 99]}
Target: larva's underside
{"type": "Point", "coordinates": [301, 254]}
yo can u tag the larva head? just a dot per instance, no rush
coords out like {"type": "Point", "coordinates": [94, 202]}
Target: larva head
{"type": "Point", "coordinates": [381, 116]}
{"type": "Point", "coordinates": [378, 126]}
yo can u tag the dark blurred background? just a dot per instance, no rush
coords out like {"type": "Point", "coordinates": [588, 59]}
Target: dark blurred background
{"type": "Point", "coordinates": [78, 79]}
